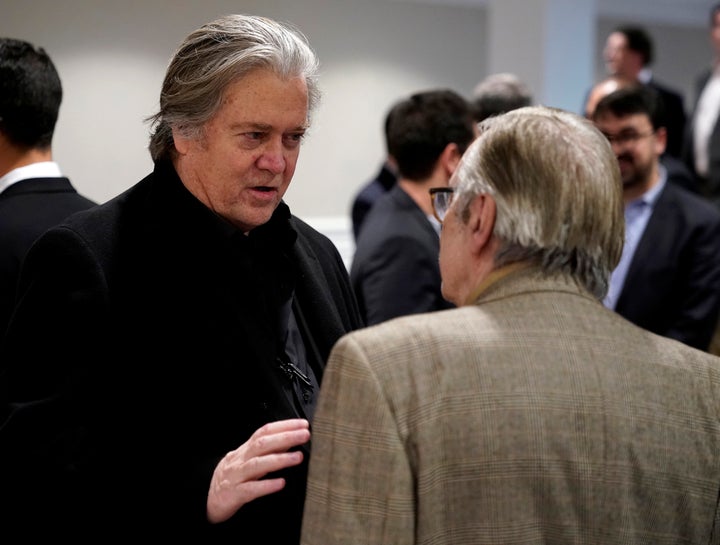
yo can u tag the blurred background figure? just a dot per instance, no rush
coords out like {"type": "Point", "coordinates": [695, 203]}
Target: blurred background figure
{"type": "Point", "coordinates": [395, 267]}
{"type": "Point", "coordinates": [677, 172]}
{"type": "Point", "coordinates": [499, 93]}
{"type": "Point", "coordinates": [383, 181]}
{"type": "Point", "coordinates": [34, 194]}
{"type": "Point", "coordinates": [702, 146]}
{"type": "Point", "coordinates": [668, 279]}
{"type": "Point", "coordinates": [602, 89]}
{"type": "Point", "coordinates": [629, 53]}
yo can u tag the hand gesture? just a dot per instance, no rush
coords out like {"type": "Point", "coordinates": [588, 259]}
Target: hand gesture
{"type": "Point", "coordinates": [238, 478]}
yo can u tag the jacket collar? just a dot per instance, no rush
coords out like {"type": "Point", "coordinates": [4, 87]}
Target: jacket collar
{"type": "Point", "coordinates": [523, 278]}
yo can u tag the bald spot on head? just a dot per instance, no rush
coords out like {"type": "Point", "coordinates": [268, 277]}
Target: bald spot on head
{"type": "Point", "coordinates": [604, 88]}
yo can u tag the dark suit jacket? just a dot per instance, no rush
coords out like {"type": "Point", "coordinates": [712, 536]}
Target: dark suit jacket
{"type": "Point", "coordinates": [533, 417]}
{"type": "Point", "coordinates": [672, 287]}
{"type": "Point", "coordinates": [368, 194]}
{"type": "Point", "coordinates": [711, 184]}
{"type": "Point", "coordinates": [680, 174]}
{"type": "Point", "coordinates": [395, 268]}
{"type": "Point", "coordinates": [143, 351]}
{"type": "Point", "coordinates": [675, 117]}
{"type": "Point", "coordinates": [27, 209]}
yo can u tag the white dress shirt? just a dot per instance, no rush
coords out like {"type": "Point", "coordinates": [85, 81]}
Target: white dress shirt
{"type": "Point", "coordinates": [46, 169]}
{"type": "Point", "coordinates": [706, 115]}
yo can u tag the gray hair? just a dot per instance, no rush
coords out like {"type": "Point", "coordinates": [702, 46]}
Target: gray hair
{"type": "Point", "coordinates": [215, 56]}
{"type": "Point", "coordinates": [500, 93]}
{"type": "Point", "coordinates": [558, 193]}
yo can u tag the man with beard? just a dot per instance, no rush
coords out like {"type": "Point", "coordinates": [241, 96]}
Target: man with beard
{"type": "Point", "coordinates": [668, 279]}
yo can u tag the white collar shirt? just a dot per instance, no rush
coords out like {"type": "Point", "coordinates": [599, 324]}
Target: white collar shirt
{"type": "Point", "coordinates": [706, 115]}
{"type": "Point", "coordinates": [45, 169]}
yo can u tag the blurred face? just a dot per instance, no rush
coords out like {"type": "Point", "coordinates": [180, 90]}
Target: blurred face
{"type": "Point", "coordinates": [715, 33]}
{"type": "Point", "coordinates": [637, 148]}
{"type": "Point", "coordinates": [242, 165]}
{"type": "Point", "coordinates": [615, 48]}
{"type": "Point", "coordinates": [619, 59]}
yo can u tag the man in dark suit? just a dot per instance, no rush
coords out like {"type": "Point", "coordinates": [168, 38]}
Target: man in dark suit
{"type": "Point", "coordinates": [368, 195]}
{"type": "Point", "coordinates": [164, 360]}
{"type": "Point", "coordinates": [668, 280]}
{"type": "Point", "coordinates": [394, 270]}
{"type": "Point", "coordinates": [383, 182]}
{"type": "Point", "coordinates": [629, 53]}
{"type": "Point", "coordinates": [702, 139]}
{"type": "Point", "coordinates": [34, 195]}
{"type": "Point", "coordinates": [530, 414]}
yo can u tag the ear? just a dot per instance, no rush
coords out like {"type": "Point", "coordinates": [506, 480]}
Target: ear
{"type": "Point", "coordinates": [182, 143]}
{"type": "Point", "coordinates": [660, 140]}
{"type": "Point", "coordinates": [450, 158]}
{"type": "Point", "coordinates": [482, 222]}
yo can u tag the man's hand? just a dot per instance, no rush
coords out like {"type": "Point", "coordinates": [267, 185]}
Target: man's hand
{"type": "Point", "coordinates": [238, 478]}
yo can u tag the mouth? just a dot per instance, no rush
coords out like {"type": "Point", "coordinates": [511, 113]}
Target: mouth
{"type": "Point", "coordinates": [264, 193]}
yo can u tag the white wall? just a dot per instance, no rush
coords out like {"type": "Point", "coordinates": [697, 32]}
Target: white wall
{"type": "Point", "coordinates": [112, 57]}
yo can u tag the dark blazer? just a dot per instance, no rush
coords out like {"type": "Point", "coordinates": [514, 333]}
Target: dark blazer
{"type": "Point", "coordinates": [395, 268]}
{"type": "Point", "coordinates": [680, 174]}
{"type": "Point", "coordinates": [672, 287]}
{"type": "Point", "coordinates": [143, 351]}
{"type": "Point", "coordinates": [675, 117]}
{"type": "Point", "coordinates": [711, 184]}
{"type": "Point", "coordinates": [368, 194]}
{"type": "Point", "coordinates": [27, 209]}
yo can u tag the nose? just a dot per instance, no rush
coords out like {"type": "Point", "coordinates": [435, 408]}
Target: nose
{"type": "Point", "coordinates": [620, 146]}
{"type": "Point", "coordinates": [618, 149]}
{"type": "Point", "coordinates": [272, 158]}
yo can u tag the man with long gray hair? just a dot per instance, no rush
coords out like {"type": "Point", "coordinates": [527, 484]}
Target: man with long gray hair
{"type": "Point", "coordinates": [530, 414]}
{"type": "Point", "coordinates": [164, 359]}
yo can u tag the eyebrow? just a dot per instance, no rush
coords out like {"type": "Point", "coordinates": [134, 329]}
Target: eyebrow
{"type": "Point", "coordinates": [261, 127]}
{"type": "Point", "coordinates": [251, 126]}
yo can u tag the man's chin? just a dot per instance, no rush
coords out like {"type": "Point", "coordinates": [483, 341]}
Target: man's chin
{"type": "Point", "coordinates": [249, 220]}
{"type": "Point", "coordinates": [627, 175]}
{"type": "Point", "coordinates": [631, 181]}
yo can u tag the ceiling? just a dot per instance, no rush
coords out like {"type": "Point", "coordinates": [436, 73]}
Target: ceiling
{"type": "Point", "coordinates": [675, 12]}
{"type": "Point", "coordinates": [692, 12]}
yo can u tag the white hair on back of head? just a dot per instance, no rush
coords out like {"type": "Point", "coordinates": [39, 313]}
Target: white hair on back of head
{"type": "Point", "coordinates": [557, 188]}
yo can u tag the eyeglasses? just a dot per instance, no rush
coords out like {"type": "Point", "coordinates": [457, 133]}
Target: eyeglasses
{"type": "Point", "coordinates": [441, 198]}
{"type": "Point", "coordinates": [627, 137]}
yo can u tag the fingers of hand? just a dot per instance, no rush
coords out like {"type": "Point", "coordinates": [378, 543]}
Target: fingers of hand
{"type": "Point", "coordinates": [276, 441]}
{"type": "Point", "coordinates": [238, 478]}
{"type": "Point", "coordinates": [291, 424]}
